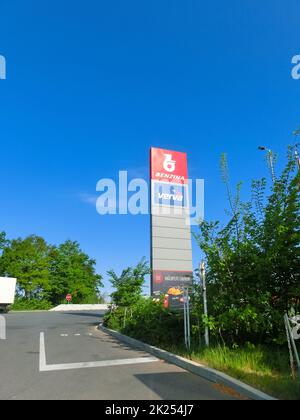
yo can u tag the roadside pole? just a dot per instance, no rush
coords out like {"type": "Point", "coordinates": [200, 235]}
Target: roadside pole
{"type": "Point", "coordinates": [289, 347]}
{"type": "Point", "coordinates": [184, 320]}
{"type": "Point", "coordinates": [188, 319]}
{"type": "Point", "coordinates": [186, 313]}
{"type": "Point", "coordinates": [287, 321]}
{"type": "Point", "coordinates": [202, 276]}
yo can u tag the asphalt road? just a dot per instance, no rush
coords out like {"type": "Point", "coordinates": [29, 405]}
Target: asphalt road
{"type": "Point", "coordinates": [50, 355]}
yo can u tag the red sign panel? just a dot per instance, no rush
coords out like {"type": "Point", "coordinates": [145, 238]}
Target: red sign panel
{"type": "Point", "coordinates": [69, 298]}
{"type": "Point", "coordinates": [171, 282]}
{"type": "Point", "coordinates": [168, 166]}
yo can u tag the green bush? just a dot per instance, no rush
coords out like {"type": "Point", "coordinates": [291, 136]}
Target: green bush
{"type": "Point", "coordinates": [148, 321]}
{"type": "Point", "coordinates": [115, 319]}
{"type": "Point", "coordinates": [252, 263]}
{"type": "Point", "coordinates": [23, 304]}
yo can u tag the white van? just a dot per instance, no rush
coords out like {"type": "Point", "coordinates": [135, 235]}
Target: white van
{"type": "Point", "coordinates": [7, 292]}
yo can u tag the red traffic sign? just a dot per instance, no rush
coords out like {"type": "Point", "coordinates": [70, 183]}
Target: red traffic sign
{"type": "Point", "coordinates": [69, 298]}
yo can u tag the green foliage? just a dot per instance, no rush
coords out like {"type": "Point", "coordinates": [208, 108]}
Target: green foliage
{"type": "Point", "coordinates": [127, 296]}
{"type": "Point", "coordinates": [148, 321]}
{"type": "Point", "coordinates": [72, 271]}
{"type": "Point", "coordinates": [47, 273]}
{"type": "Point", "coordinates": [22, 304]}
{"type": "Point", "coordinates": [263, 367]}
{"type": "Point", "coordinates": [128, 286]}
{"type": "Point", "coordinates": [253, 263]}
{"type": "Point", "coordinates": [153, 323]}
{"type": "Point", "coordinates": [3, 240]}
{"type": "Point", "coordinates": [115, 318]}
{"type": "Point", "coordinates": [28, 260]}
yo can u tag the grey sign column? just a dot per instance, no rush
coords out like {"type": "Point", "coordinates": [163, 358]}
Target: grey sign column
{"type": "Point", "coordinates": [171, 247]}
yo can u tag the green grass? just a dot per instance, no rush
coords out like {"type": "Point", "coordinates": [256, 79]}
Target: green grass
{"type": "Point", "coordinates": [264, 368]}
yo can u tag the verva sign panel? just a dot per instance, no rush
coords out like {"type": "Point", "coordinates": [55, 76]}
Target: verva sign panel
{"type": "Point", "coordinates": [168, 166]}
{"type": "Point", "coordinates": [169, 194]}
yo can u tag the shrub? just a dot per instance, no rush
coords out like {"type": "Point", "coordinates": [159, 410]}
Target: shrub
{"type": "Point", "coordinates": [23, 304]}
{"type": "Point", "coordinates": [148, 321]}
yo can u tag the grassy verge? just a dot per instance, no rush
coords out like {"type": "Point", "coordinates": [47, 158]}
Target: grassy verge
{"type": "Point", "coordinates": [261, 367]}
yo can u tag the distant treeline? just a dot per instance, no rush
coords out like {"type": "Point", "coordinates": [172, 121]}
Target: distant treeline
{"type": "Point", "coordinates": [46, 273]}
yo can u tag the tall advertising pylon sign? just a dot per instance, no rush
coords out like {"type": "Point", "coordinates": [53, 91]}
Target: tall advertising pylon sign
{"type": "Point", "coordinates": [171, 246]}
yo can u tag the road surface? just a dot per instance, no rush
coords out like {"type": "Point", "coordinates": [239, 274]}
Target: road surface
{"type": "Point", "coordinates": [49, 355]}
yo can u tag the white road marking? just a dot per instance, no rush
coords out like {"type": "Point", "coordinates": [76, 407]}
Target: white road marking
{"type": "Point", "coordinates": [77, 335]}
{"type": "Point", "coordinates": [64, 335]}
{"type": "Point", "coordinates": [69, 366]}
{"type": "Point", "coordinates": [43, 361]}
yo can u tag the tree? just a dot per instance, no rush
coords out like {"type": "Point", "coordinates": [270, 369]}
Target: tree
{"type": "Point", "coordinates": [254, 262]}
{"type": "Point", "coordinates": [3, 240]}
{"type": "Point", "coordinates": [3, 243]}
{"type": "Point", "coordinates": [129, 284]}
{"type": "Point", "coordinates": [27, 260]}
{"type": "Point", "coordinates": [46, 272]}
{"type": "Point", "coordinates": [280, 239]}
{"type": "Point", "coordinates": [72, 271]}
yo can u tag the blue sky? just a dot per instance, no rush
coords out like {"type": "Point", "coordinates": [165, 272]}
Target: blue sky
{"type": "Point", "coordinates": [92, 85]}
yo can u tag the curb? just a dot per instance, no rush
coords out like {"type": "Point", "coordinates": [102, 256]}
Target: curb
{"type": "Point", "coordinates": [31, 311]}
{"type": "Point", "coordinates": [75, 307]}
{"type": "Point", "coordinates": [205, 372]}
